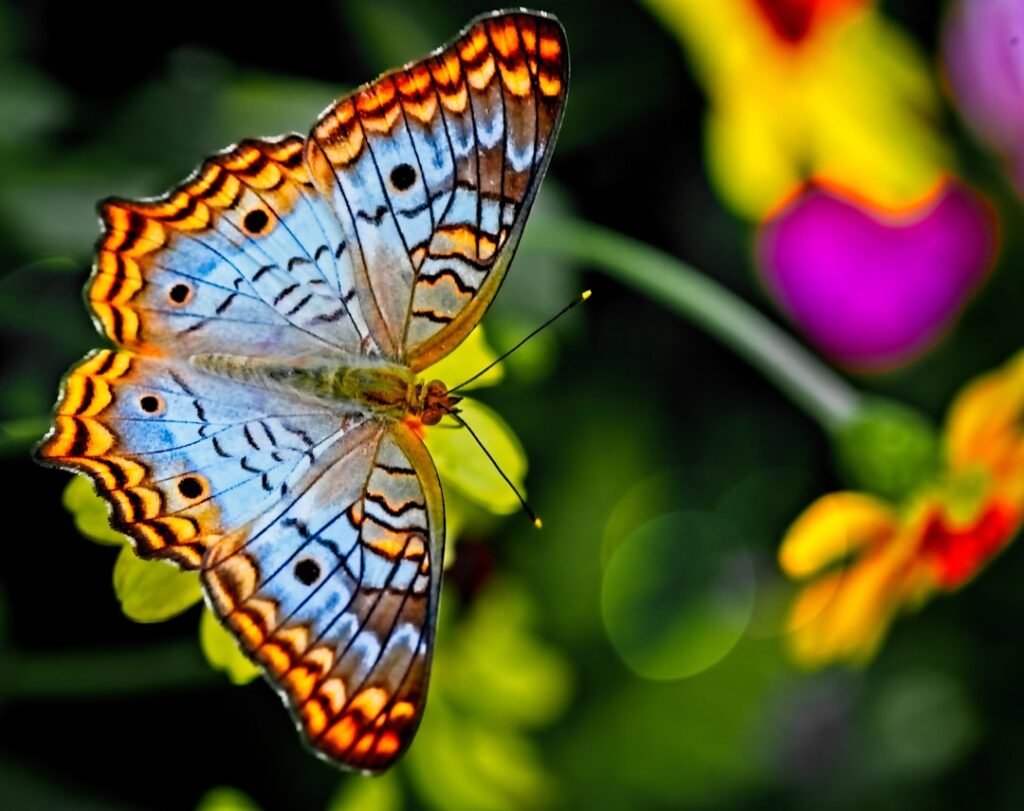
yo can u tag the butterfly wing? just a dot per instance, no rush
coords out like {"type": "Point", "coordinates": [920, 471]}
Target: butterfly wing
{"type": "Point", "coordinates": [179, 455]}
{"type": "Point", "coordinates": [335, 590]}
{"type": "Point", "coordinates": [245, 256]}
{"type": "Point", "coordinates": [432, 170]}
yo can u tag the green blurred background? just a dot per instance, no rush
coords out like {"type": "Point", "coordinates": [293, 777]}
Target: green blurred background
{"type": "Point", "coordinates": [657, 458]}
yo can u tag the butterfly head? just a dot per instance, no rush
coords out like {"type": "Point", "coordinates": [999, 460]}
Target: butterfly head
{"type": "Point", "coordinates": [434, 401]}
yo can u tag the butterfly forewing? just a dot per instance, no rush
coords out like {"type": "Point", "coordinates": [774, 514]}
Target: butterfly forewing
{"type": "Point", "coordinates": [433, 169]}
{"type": "Point", "coordinates": [245, 254]}
{"type": "Point", "coordinates": [335, 593]}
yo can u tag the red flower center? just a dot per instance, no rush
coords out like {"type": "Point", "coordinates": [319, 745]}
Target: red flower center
{"type": "Point", "coordinates": [959, 553]}
{"type": "Point", "coordinates": [792, 20]}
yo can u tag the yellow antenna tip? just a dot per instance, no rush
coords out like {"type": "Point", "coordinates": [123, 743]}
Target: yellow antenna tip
{"type": "Point", "coordinates": [538, 523]}
{"type": "Point", "coordinates": [586, 294]}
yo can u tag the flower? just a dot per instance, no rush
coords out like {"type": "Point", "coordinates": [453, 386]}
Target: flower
{"type": "Point", "coordinates": [872, 288]}
{"type": "Point", "coordinates": [983, 56]}
{"type": "Point", "coordinates": [898, 555]}
{"type": "Point", "coordinates": [154, 590]}
{"type": "Point", "coordinates": [797, 89]}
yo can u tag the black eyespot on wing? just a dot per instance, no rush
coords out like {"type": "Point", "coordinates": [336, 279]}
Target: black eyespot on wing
{"type": "Point", "coordinates": [150, 403]}
{"type": "Point", "coordinates": [307, 571]}
{"type": "Point", "coordinates": [190, 487]}
{"type": "Point", "coordinates": [180, 293]}
{"type": "Point", "coordinates": [403, 176]}
{"type": "Point", "coordinates": [255, 221]}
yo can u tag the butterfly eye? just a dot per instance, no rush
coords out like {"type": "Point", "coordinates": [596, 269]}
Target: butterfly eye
{"type": "Point", "coordinates": [191, 487]}
{"type": "Point", "coordinates": [307, 571]}
{"type": "Point", "coordinates": [151, 404]}
{"type": "Point", "coordinates": [180, 293]}
{"type": "Point", "coordinates": [255, 221]}
{"type": "Point", "coordinates": [403, 176]}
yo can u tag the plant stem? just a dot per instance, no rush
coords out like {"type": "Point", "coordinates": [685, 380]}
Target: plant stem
{"type": "Point", "coordinates": [808, 382]}
{"type": "Point", "coordinates": [70, 675]}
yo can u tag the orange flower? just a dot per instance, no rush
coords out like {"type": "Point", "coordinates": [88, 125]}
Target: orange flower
{"type": "Point", "coordinates": [897, 557]}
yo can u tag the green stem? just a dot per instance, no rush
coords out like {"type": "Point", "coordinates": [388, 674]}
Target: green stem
{"type": "Point", "coordinates": [173, 665]}
{"type": "Point", "coordinates": [812, 385]}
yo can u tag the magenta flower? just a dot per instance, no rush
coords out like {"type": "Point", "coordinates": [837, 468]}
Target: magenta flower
{"type": "Point", "coordinates": [983, 52]}
{"type": "Point", "coordinates": [872, 288]}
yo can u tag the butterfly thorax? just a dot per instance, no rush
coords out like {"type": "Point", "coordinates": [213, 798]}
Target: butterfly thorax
{"type": "Point", "coordinates": [379, 388]}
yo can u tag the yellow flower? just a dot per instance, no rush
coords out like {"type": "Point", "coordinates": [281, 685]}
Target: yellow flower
{"type": "Point", "coordinates": [869, 559]}
{"type": "Point", "coordinates": [822, 88]}
{"type": "Point", "coordinates": [154, 591]}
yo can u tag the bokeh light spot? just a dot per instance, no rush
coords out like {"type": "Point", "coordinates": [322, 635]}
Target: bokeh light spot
{"type": "Point", "coordinates": [677, 595]}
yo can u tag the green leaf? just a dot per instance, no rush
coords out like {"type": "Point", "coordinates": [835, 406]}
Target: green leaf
{"type": "Point", "coordinates": [463, 465]}
{"type": "Point", "coordinates": [492, 678]}
{"type": "Point", "coordinates": [222, 650]}
{"type": "Point", "coordinates": [360, 794]}
{"type": "Point", "coordinates": [91, 513]}
{"type": "Point", "coordinates": [525, 682]}
{"type": "Point", "coordinates": [53, 210]}
{"type": "Point", "coordinates": [471, 356]}
{"type": "Point", "coordinates": [30, 106]}
{"type": "Point", "coordinates": [462, 762]}
{"type": "Point", "coordinates": [267, 105]}
{"type": "Point", "coordinates": [225, 798]}
{"type": "Point", "coordinates": [392, 32]}
{"type": "Point", "coordinates": [153, 590]}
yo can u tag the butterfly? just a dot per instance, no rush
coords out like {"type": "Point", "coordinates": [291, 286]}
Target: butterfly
{"type": "Point", "coordinates": [260, 418]}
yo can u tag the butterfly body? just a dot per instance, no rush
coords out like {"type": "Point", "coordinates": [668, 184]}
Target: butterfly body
{"type": "Point", "coordinates": [382, 390]}
{"type": "Point", "coordinates": [259, 417]}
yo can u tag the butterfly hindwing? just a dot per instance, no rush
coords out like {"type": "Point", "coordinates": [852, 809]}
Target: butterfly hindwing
{"type": "Point", "coordinates": [335, 591]}
{"type": "Point", "coordinates": [433, 169]}
{"type": "Point", "coordinates": [180, 457]}
{"type": "Point", "coordinates": [245, 254]}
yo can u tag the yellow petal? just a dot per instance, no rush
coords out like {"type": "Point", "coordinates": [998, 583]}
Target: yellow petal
{"type": "Point", "coordinates": [750, 164]}
{"type": "Point", "coordinates": [462, 465]}
{"type": "Point", "coordinates": [90, 512]}
{"type": "Point", "coordinates": [222, 651]}
{"type": "Point", "coordinates": [152, 590]}
{"type": "Point", "coordinates": [832, 527]}
{"type": "Point", "coordinates": [844, 616]}
{"type": "Point", "coordinates": [472, 355]}
{"type": "Point", "coordinates": [985, 421]}
{"type": "Point", "coordinates": [827, 108]}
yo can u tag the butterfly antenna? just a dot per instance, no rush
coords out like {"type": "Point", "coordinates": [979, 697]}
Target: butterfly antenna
{"type": "Point", "coordinates": [534, 518]}
{"type": "Point", "coordinates": [579, 300]}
